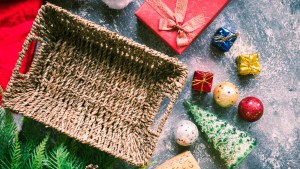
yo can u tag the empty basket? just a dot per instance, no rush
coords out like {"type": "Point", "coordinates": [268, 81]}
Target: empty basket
{"type": "Point", "coordinates": [95, 85]}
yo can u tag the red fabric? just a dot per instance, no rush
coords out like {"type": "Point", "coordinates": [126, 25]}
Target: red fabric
{"type": "Point", "coordinates": [150, 17]}
{"type": "Point", "coordinates": [16, 18]}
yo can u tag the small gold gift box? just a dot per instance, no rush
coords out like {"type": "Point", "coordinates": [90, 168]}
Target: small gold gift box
{"type": "Point", "coordinates": [181, 161]}
{"type": "Point", "coordinates": [248, 64]}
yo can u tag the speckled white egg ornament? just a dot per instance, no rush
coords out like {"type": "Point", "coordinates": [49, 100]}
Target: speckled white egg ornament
{"type": "Point", "coordinates": [186, 133]}
{"type": "Point", "coordinates": [226, 94]}
{"type": "Point", "coordinates": [117, 4]}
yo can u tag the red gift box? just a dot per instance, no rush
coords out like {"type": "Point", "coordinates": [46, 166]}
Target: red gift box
{"type": "Point", "coordinates": [151, 16]}
{"type": "Point", "coordinates": [202, 81]}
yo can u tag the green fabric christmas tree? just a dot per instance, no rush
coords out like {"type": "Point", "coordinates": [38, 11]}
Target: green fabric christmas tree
{"type": "Point", "coordinates": [234, 145]}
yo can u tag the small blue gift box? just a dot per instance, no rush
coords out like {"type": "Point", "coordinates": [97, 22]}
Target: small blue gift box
{"type": "Point", "coordinates": [223, 39]}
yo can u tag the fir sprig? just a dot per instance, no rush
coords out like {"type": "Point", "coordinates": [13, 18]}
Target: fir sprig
{"type": "Point", "coordinates": [60, 158]}
{"type": "Point", "coordinates": [37, 158]}
{"type": "Point", "coordinates": [7, 128]}
{"type": "Point", "coordinates": [16, 153]}
{"type": "Point", "coordinates": [32, 148]}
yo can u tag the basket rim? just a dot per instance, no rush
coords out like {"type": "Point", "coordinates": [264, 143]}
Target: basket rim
{"type": "Point", "coordinates": [131, 42]}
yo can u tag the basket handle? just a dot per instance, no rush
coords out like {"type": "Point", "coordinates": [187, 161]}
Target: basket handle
{"type": "Point", "coordinates": [25, 47]}
{"type": "Point", "coordinates": [164, 117]}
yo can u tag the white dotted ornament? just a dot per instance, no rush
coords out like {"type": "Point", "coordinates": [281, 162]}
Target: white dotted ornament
{"type": "Point", "coordinates": [186, 133]}
{"type": "Point", "coordinates": [226, 94]}
{"type": "Point", "coordinates": [117, 4]}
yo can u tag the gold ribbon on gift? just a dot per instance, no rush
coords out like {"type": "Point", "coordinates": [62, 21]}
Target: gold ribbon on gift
{"type": "Point", "coordinates": [222, 39]}
{"type": "Point", "coordinates": [207, 76]}
{"type": "Point", "coordinates": [173, 21]}
{"type": "Point", "coordinates": [248, 64]}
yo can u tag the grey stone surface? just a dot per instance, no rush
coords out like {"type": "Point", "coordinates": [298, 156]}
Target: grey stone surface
{"type": "Point", "coordinates": [268, 27]}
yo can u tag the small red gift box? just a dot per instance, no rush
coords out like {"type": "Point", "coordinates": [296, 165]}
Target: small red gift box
{"type": "Point", "coordinates": [179, 22]}
{"type": "Point", "coordinates": [202, 81]}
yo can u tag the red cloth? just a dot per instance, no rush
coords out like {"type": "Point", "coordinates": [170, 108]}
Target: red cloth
{"type": "Point", "coordinates": [16, 18]}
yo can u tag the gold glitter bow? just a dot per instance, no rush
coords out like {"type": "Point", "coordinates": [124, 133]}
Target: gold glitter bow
{"type": "Point", "coordinates": [221, 38]}
{"type": "Point", "coordinates": [173, 21]}
{"type": "Point", "coordinates": [207, 76]}
{"type": "Point", "coordinates": [248, 64]}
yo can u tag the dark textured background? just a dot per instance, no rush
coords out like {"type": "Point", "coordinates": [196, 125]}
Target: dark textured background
{"type": "Point", "coordinates": [268, 27]}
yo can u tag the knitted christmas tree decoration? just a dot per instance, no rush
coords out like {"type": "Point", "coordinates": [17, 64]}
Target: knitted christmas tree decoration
{"type": "Point", "coordinates": [234, 145]}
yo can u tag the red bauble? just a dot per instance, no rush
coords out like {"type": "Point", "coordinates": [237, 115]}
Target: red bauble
{"type": "Point", "coordinates": [251, 109]}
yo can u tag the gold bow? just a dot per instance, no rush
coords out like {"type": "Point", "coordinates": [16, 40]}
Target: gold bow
{"type": "Point", "coordinates": [206, 77]}
{"type": "Point", "coordinates": [222, 39]}
{"type": "Point", "coordinates": [173, 21]}
{"type": "Point", "coordinates": [248, 64]}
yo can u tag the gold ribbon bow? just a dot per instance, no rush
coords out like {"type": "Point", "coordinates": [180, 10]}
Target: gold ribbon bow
{"type": "Point", "coordinates": [173, 21]}
{"type": "Point", "coordinates": [206, 77]}
{"type": "Point", "coordinates": [222, 39]}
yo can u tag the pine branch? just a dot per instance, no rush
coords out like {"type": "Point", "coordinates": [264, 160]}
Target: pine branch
{"type": "Point", "coordinates": [7, 130]}
{"type": "Point", "coordinates": [73, 148]}
{"type": "Point", "coordinates": [16, 153]}
{"type": "Point", "coordinates": [60, 158]}
{"type": "Point", "coordinates": [4, 163]}
{"type": "Point", "coordinates": [28, 149]}
{"type": "Point", "coordinates": [36, 160]}
{"type": "Point", "coordinates": [89, 155]}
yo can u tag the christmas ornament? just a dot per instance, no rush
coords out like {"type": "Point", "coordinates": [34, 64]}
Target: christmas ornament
{"type": "Point", "coordinates": [223, 39]}
{"type": "Point", "coordinates": [117, 4]}
{"type": "Point", "coordinates": [184, 160]}
{"type": "Point", "coordinates": [179, 22]}
{"type": "Point", "coordinates": [232, 144]}
{"type": "Point", "coordinates": [248, 64]}
{"type": "Point", "coordinates": [251, 109]}
{"type": "Point", "coordinates": [226, 94]}
{"type": "Point", "coordinates": [186, 133]}
{"type": "Point", "coordinates": [202, 81]}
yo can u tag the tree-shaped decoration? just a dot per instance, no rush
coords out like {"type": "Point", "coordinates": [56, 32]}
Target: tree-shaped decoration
{"type": "Point", "coordinates": [234, 145]}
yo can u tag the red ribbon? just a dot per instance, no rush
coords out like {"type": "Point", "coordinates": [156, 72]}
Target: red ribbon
{"type": "Point", "coordinates": [173, 21]}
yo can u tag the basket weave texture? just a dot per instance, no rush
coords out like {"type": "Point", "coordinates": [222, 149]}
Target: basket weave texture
{"type": "Point", "coordinates": [95, 85]}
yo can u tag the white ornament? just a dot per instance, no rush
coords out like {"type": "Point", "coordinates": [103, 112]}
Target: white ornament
{"type": "Point", "coordinates": [117, 4]}
{"type": "Point", "coordinates": [186, 133]}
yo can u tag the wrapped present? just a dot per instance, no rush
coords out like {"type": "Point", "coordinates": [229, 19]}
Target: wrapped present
{"type": "Point", "coordinates": [223, 39]}
{"type": "Point", "coordinates": [202, 81]}
{"type": "Point", "coordinates": [183, 160]}
{"type": "Point", "coordinates": [179, 28]}
{"type": "Point", "coordinates": [248, 64]}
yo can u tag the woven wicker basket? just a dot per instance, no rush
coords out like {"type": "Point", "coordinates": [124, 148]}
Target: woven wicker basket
{"type": "Point", "coordinates": [95, 85]}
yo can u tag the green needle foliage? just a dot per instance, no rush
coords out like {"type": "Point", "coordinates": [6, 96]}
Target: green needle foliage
{"type": "Point", "coordinates": [36, 160]}
{"type": "Point", "coordinates": [7, 130]}
{"type": "Point", "coordinates": [60, 158]}
{"type": "Point", "coordinates": [15, 153]}
{"type": "Point", "coordinates": [38, 147]}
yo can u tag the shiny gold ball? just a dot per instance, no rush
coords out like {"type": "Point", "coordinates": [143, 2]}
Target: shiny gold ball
{"type": "Point", "coordinates": [226, 94]}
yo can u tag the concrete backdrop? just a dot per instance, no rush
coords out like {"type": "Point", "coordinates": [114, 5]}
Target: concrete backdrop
{"type": "Point", "coordinates": [268, 27]}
